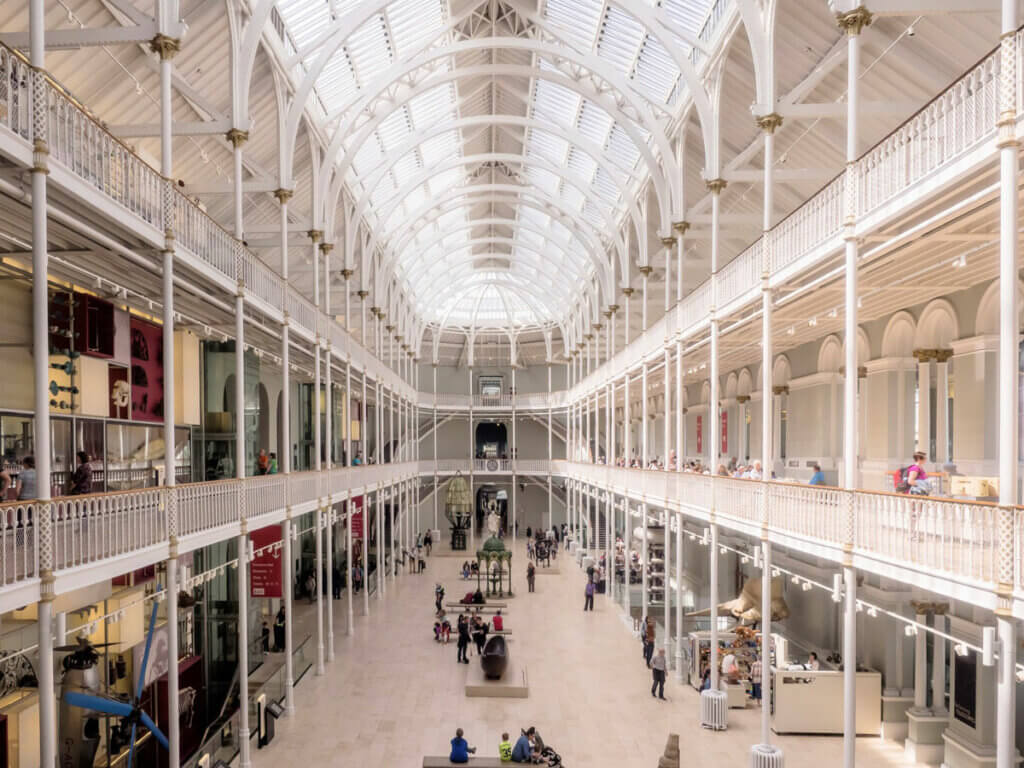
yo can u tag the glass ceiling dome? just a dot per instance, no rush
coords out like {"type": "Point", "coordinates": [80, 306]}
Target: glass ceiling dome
{"type": "Point", "coordinates": [493, 148]}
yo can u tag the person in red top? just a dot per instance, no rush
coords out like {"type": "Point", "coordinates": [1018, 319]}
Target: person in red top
{"type": "Point", "coordinates": [498, 622]}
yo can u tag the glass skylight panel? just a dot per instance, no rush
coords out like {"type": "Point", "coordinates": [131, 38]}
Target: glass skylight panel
{"type": "Point", "coordinates": [394, 129]}
{"type": "Point", "coordinates": [605, 187]}
{"type": "Point", "coordinates": [573, 196]}
{"type": "Point", "coordinates": [369, 49]}
{"type": "Point", "coordinates": [414, 23]}
{"type": "Point", "coordinates": [439, 147]}
{"type": "Point", "coordinates": [594, 122]}
{"type": "Point", "coordinates": [435, 105]}
{"type": "Point", "coordinates": [656, 73]}
{"type": "Point", "coordinates": [622, 147]}
{"type": "Point", "coordinates": [543, 178]}
{"type": "Point", "coordinates": [305, 20]}
{"type": "Point", "coordinates": [555, 103]}
{"type": "Point", "coordinates": [582, 164]}
{"type": "Point", "coordinates": [578, 20]}
{"type": "Point", "coordinates": [621, 36]}
{"type": "Point", "coordinates": [336, 84]}
{"type": "Point", "coordinates": [547, 145]}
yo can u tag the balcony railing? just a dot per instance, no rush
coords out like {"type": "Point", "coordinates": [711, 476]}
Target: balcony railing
{"type": "Point", "coordinates": [960, 120]}
{"type": "Point", "coordinates": [81, 145]}
{"type": "Point", "coordinates": [946, 537]}
{"type": "Point", "coordinates": [93, 528]}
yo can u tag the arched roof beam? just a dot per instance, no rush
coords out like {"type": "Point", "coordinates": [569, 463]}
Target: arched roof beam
{"type": "Point", "coordinates": [396, 101]}
{"type": "Point", "coordinates": [574, 137]}
{"type": "Point", "coordinates": [581, 225]}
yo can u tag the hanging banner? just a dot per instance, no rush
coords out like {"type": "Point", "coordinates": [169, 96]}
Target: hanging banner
{"type": "Point", "coordinates": [725, 432]}
{"type": "Point", "coordinates": [265, 578]}
{"type": "Point", "coordinates": [357, 517]}
{"type": "Point", "coordinates": [700, 434]}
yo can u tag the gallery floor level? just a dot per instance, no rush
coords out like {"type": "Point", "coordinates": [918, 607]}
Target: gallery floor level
{"type": "Point", "coordinates": [721, 298]}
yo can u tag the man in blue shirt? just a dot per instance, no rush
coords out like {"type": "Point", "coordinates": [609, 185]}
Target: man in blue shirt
{"type": "Point", "coordinates": [818, 478]}
{"type": "Point", "coordinates": [460, 748]}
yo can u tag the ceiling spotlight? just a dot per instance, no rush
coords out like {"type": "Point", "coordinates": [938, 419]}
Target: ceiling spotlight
{"type": "Point", "coordinates": [960, 649]}
{"type": "Point", "coordinates": [807, 586]}
{"type": "Point", "coordinates": [910, 630]}
{"type": "Point", "coordinates": [790, 331]}
{"type": "Point", "coordinates": [911, 31]}
{"type": "Point", "coordinates": [812, 322]}
{"type": "Point", "coordinates": [795, 579]}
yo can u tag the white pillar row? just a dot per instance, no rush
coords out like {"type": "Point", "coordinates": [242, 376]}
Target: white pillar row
{"type": "Point", "coordinates": [644, 550]}
{"type": "Point", "coordinates": [939, 661]}
{"type": "Point", "coordinates": [645, 271]}
{"type": "Point", "coordinates": [924, 400]}
{"type": "Point", "coordinates": [1009, 335]}
{"type": "Point", "coordinates": [378, 515]}
{"type": "Point", "coordinates": [851, 23]}
{"type": "Point", "coordinates": [627, 427]}
{"type": "Point", "coordinates": [668, 242]}
{"type": "Point", "coordinates": [941, 406]}
{"type": "Point", "coordinates": [666, 573]}
{"type": "Point", "coordinates": [680, 416]}
{"type": "Point", "coordinates": [679, 596]}
{"type": "Point", "coordinates": [643, 415]}
{"type": "Point", "coordinates": [627, 292]}
{"type": "Point", "coordinates": [349, 560]}
{"type": "Point", "coordinates": [365, 539]}
{"type": "Point", "coordinates": [667, 397]}
{"type": "Point", "coordinates": [627, 536]}
{"type": "Point", "coordinates": [920, 662]}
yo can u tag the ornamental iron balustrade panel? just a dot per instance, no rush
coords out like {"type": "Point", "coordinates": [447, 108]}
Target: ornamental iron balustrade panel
{"type": "Point", "coordinates": [95, 527]}
{"type": "Point", "coordinates": [204, 506]}
{"type": "Point", "coordinates": [18, 551]}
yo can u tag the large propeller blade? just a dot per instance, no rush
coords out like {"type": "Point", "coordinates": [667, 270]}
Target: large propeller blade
{"type": "Point", "coordinates": [98, 704]}
{"type": "Point", "coordinates": [147, 721]}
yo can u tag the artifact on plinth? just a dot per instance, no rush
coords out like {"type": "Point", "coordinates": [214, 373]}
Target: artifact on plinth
{"type": "Point", "coordinates": [458, 508]}
{"type": "Point", "coordinates": [671, 757]}
{"type": "Point", "coordinates": [494, 562]}
{"type": "Point", "coordinates": [494, 659]}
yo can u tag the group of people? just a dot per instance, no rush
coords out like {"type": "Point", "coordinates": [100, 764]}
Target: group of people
{"type": "Point", "coordinates": [529, 748]}
{"type": "Point", "coordinates": [469, 629]}
{"type": "Point", "coordinates": [656, 662]}
{"type": "Point", "coordinates": [26, 488]}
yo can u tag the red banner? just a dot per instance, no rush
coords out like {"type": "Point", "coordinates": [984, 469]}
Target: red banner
{"type": "Point", "coordinates": [265, 572]}
{"type": "Point", "coordinates": [700, 434]}
{"type": "Point", "coordinates": [357, 517]}
{"type": "Point", "coordinates": [725, 432]}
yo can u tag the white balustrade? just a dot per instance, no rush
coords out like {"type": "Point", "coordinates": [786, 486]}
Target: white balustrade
{"type": "Point", "coordinates": [17, 542]}
{"type": "Point", "coordinates": [267, 493]}
{"type": "Point", "coordinates": [101, 526]}
{"type": "Point", "coordinates": [14, 93]}
{"type": "Point", "coordinates": [204, 506]}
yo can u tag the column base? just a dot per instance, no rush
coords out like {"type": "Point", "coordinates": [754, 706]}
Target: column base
{"type": "Point", "coordinates": [766, 756]}
{"type": "Point", "coordinates": [963, 753]}
{"type": "Point", "coordinates": [894, 717]}
{"type": "Point", "coordinates": [714, 710]}
{"type": "Point", "coordinates": [924, 742]}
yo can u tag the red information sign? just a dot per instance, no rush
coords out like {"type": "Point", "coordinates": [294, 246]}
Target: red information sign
{"type": "Point", "coordinates": [265, 572]}
{"type": "Point", "coordinates": [700, 434]}
{"type": "Point", "coordinates": [725, 432]}
{"type": "Point", "coordinates": [357, 517]}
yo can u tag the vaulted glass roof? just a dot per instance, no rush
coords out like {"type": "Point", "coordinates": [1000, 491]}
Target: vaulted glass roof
{"type": "Point", "coordinates": [494, 149]}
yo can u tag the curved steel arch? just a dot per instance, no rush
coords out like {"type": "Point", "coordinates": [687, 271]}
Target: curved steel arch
{"type": "Point", "coordinates": [424, 251]}
{"type": "Point", "coordinates": [589, 147]}
{"type": "Point", "coordinates": [529, 192]}
{"type": "Point", "coordinates": [541, 266]}
{"type": "Point", "coordinates": [483, 283]}
{"type": "Point", "coordinates": [425, 174]}
{"type": "Point", "coordinates": [514, 70]}
{"type": "Point", "coordinates": [654, 20]}
{"type": "Point", "coordinates": [454, 196]}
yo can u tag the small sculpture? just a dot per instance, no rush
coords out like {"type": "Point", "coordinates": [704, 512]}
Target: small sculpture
{"type": "Point", "coordinates": [494, 659]}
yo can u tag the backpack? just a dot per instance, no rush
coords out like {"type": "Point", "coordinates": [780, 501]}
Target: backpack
{"type": "Point", "coordinates": [902, 480]}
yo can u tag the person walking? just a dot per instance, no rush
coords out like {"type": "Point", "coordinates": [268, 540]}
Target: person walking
{"type": "Point", "coordinates": [463, 642]}
{"type": "Point", "coordinates": [279, 630]}
{"type": "Point", "coordinates": [357, 577]}
{"type": "Point", "coordinates": [658, 667]}
{"type": "Point", "coordinates": [588, 600]}
{"type": "Point", "coordinates": [649, 641]}
{"type": "Point", "coordinates": [531, 574]}
{"type": "Point", "coordinates": [428, 541]}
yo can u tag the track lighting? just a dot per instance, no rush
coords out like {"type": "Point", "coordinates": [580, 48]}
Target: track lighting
{"type": "Point", "coordinates": [910, 630]}
{"type": "Point", "coordinates": [807, 586]}
{"type": "Point", "coordinates": [960, 649]}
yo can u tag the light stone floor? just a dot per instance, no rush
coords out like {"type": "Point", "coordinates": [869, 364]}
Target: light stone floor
{"type": "Point", "coordinates": [392, 695]}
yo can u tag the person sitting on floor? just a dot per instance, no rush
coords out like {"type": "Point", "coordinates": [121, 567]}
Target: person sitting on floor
{"type": "Point", "coordinates": [460, 748]}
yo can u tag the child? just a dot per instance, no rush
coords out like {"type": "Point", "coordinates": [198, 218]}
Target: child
{"type": "Point", "coordinates": [505, 749]}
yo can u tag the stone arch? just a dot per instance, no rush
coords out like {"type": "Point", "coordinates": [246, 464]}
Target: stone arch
{"type": "Point", "coordinates": [898, 339]}
{"type": "Point", "coordinates": [744, 383]}
{"type": "Point", "coordinates": [731, 386]}
{"type": "Point", "coordinates": [781, 371]}
{"type": "Point", "coordinates": [938, 326]}
{"type": "Point", "coordinates": [986, 320]}
{"type": "Point", "coordinates": [830, 355]}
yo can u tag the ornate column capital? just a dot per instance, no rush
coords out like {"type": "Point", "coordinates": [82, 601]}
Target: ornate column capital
{"type": "Point", "coordinates": [943, 355]}
{"type": "Point", "coordinates": [924, 355]}
{"type": "Point", "coordinates": [315, 235]}
{"type": "Point", "coordinates": [237, 137]}
{"type": "Point", "coordinates": [612, 309]}
{"type": "Point", "coordinates": [347, 273]}
{"type": "Point", "coordinates": [283, 195]}
{"type": "Point", "coordinates": [715, 186]}
{"type": "Point", "coordinates": [770, 122]}
{"type": "Point", "coordinates": [645, 270]}
{"type": "Point", "coordinates": [326, 248]}
{"type": "Point", "coordinates": [627, 292]}
{"type": "Point", "coordinates": [853, 22]}
{"type": "Point", "coordinates": [681, 226]}
{"type": "Point", "coordinates": [362, 294]}
{"type": "Point", "coordinates": [166, 47]}
{"type": "Point", "coordinates": [668, 242]}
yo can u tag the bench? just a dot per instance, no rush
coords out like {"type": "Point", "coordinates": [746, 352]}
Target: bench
{"type": "Point", "coordinates": [481, 606]}
{"type": "Point", "coordinates": [478, 762]}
